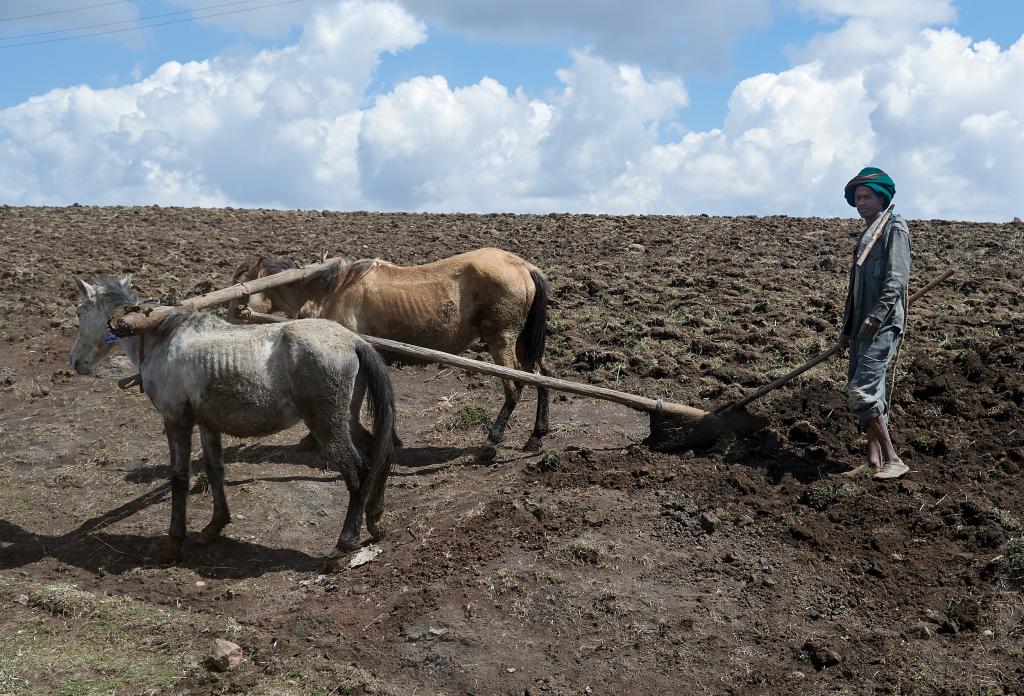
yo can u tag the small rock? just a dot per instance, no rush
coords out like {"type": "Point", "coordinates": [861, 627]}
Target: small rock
{"type": "Point", "coordinates": [797, 674]}
{"type": "Point", "coordinates": [709, 522]}
{"type": "Point", "coordinates": [920, 630]}
{"type": "Point", "coordinates": [820, 655]}
{"type": "Point", "coordinates": [365, 555]}
{"type": "Point", "coordinates": [226, 655]}
{"type": "Point", "coordinates": [804, 432]}
{"type": "Point", "coordinates": [636, 248]}
{"type": "Point", "coordinates": [950, 626]}
{"type": "Point", "coordinates": [933, 616]}
{"type": "Point", "coordinates": [594, 518]}
{"type": "Point", "coordinates": [912, 487]}
{"type": "Point", "coordinates": [988, 633]}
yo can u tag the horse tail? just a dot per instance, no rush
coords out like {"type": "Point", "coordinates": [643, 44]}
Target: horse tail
{"type": "Point", "coordinates": [381, 398]}
{"type": "Point", "coordinates": [534, 334]}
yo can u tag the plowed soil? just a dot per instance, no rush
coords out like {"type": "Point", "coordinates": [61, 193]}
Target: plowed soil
{"type": "Point", "coordinates": [597, 565]}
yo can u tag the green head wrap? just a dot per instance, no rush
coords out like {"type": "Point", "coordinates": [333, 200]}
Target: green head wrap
{"type": "Point", "coordinates": [875, 179]}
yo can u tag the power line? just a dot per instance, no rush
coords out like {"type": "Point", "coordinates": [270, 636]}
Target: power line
{"type": "Point", "coordinates": [123, 21]}
{"type": "Point", "coordinates": [70, 9]}
{"type": "Point", "coordinates": [150, 26]}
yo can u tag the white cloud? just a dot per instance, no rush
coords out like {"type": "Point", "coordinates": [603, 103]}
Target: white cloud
{"type": "Point", "coordinates": [870, 31]}
{"type": "Point", "coordinates": [951, 114]}
{"type": "Point", "coordinates": [425, 145]}
{"type": "Point", "coordinates": [278, 128]}
{"type": "Point", "coordinates": [788, 141]}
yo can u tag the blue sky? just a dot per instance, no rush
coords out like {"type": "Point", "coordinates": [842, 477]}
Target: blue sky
{"type": "Point", "coordinates": [561, 81]}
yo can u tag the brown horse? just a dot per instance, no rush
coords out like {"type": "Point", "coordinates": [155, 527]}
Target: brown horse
{"type": "Point", "coordinates": [487, 294]}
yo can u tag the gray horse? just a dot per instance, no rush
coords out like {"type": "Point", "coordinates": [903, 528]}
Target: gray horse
{"type": "Point", "coordinates": [250, 381]}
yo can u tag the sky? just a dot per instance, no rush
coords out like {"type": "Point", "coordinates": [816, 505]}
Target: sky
{"type": "Point", "coordinates": [732, 107]}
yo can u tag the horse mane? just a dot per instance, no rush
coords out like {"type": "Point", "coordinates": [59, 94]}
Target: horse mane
{"type": "Point", "coordinates": [119, 295]}
{"type": "Point", "coordinates": [272, 266]}
{"type": "Point", "coordinates": [336, 276]}
{"type": "Point", "coordinates": [181, 316]}
{"type": "Point", "coordinates": [353, 272]}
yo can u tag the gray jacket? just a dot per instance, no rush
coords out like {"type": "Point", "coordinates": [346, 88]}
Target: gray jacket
{"type": "Point", "coordinates": [879, 288]}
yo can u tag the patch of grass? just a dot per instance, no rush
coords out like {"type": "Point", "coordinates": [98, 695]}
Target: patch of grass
{"type": "Point", "coordinates": [470, 416]}
{"type": "Point", "coordinates": [1007, 519]}
{"type": "Point", "coordinates": [586, 552]}
{"type": "Point", "coordinates": [64, 600]}
{"type": "Point", "coordinates": [67, 641]}
{"type": "Point", "coordinates": [822, 496]}
{"type": "Point", "coordinates": [549, 460]}
{"type": "Point", "coordinates": [1013, 556]}
{"type": "Point", "coordinates": [730, 447]}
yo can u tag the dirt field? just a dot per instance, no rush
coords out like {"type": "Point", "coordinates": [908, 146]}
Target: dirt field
{"type": "Point", "coordinates": [596, 566]}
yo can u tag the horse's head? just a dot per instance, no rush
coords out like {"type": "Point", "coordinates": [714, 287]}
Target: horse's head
{"type": "Point", "coordinates": [289, 299]}
{"type": "Point", "coordinates": [249, 268]}
{"type": "Point", "coordinates": [99, 300]}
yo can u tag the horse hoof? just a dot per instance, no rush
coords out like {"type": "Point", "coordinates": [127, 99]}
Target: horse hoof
{"type": "Point", "coordinates": [532, 445]}
{"type": "Point", "coordinates": [207, 536]}
{"type": "Point", "coordinates": [344, 548]}
{"type": "Point", "coordinates": [376, 531]}
{"type": "Point", "coordinates": [308, 443]}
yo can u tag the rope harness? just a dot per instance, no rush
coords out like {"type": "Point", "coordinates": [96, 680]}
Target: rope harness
{"type": "Point", "coordinates": [113, 336]}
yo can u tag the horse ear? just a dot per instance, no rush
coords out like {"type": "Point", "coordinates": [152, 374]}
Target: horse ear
{"type": "Point", "coordinates": [126, 282]}
{"type": "Point", "coordinates": [246, 265]}
{"type": "Point", "coordinates": [87, 291]}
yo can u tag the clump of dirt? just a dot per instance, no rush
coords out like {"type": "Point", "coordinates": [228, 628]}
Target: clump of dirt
{"type": "Point", "coordinates": [597, 565]}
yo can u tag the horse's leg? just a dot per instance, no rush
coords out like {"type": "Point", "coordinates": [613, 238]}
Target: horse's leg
{"type": "Point", "coordinates": [541, 425]}
{"type": "Point", "coordinates": [215, 473]}
{"type": "Point", "coordinates": [179, 440]}
{"type": "Point", "coordinates": [503, 353]}
{"type": "Point", "coordinates": [327, 422]}
{"type": "Point", "coordinates": [353, 468]}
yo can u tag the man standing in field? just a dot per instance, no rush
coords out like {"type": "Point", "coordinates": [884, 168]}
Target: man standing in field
{"type": "Point", "coordinates": [875, 314]}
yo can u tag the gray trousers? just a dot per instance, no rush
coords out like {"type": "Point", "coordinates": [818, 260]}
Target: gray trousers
{"type": "Point", "coordinates": [869, 360]}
